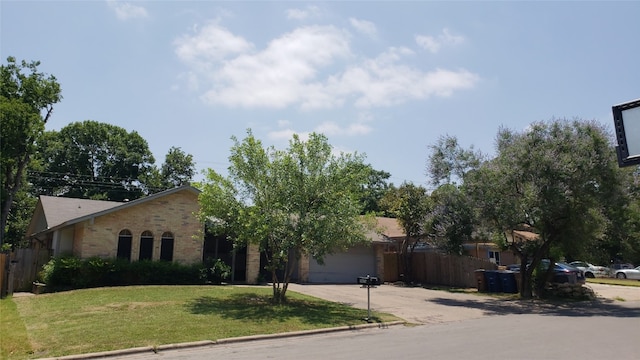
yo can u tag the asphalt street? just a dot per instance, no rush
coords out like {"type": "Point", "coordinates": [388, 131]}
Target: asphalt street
{"type": "Point", "coordinates": [453, 326]}
{"type": "Point", "coordinates": [513, 336]}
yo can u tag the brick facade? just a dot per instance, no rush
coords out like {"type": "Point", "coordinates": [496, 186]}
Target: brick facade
{"type": "Point", "coordinates": [174, 213]}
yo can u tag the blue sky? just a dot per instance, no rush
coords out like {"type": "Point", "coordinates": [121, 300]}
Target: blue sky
{"type": "Point", "coordinates": [383, 78]}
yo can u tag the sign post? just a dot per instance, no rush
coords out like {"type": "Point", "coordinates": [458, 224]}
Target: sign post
{"type": "Point", "coordinates": [368, 282]}
{"type": "Point", "coordinates": [626, 119]}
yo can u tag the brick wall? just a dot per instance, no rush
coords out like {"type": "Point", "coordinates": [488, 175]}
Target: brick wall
{"type": "Point", "coordinates": [174, 213]}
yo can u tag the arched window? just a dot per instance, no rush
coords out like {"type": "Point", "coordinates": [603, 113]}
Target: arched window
{"type": "Point", "coordinates": [146, 246]}
{"type": "Point", "coordinates": [166, 247]}
{"type": "Point", "coordinates": [124, 245]}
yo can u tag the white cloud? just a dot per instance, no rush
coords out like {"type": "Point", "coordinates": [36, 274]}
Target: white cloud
{"type": "Point", "coordinates": [365, 27]}
{"type": "Point", "coordinates": [287, 134]}
{"type": "Point", "coordinates": [433, 44]}
{"type": "Point", "coordinates": [279, 75]}
{"type": "Point", "coordinates": [302, 14]}
{"type": "Point", "coordinates": [284, 123]}
{"type": "Point", "coordinates": [330, 128]}
{"type": "Point", "coordinates": [212, 43]}
{"type": "Point", "coordinates": [311, 67]}
{"type": "Point", "coordinates": [126, 11]}
{"type": "Point", "coordinates": [384, 81]}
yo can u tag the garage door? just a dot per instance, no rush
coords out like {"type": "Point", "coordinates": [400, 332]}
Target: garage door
{"type": "Point", "coordinates": [344, 268]}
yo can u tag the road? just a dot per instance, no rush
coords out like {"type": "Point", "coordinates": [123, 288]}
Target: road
{"type": "Point", "coordinates": [513, 336]}
{"type": "Point", "coordinates": [455, 326]}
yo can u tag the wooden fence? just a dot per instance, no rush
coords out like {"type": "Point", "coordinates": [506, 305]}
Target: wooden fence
{"type": "Point", "coordinates": [19, 269]}
{"type": "Point", "coordinates": [4, 264]}
{"type": "Point", "coordinates": [437, 269]}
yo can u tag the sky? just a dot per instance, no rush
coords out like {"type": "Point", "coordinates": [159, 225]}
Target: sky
{"type": "Point", "coordinates": [385, 79]}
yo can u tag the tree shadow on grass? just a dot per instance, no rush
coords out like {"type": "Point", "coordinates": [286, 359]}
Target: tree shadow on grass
{"type": "Point", "coordinates": [259, 308]}
{"type": "Point", "coordinates": [550, 308]}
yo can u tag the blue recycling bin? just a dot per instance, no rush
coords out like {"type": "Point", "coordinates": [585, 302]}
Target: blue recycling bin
{"type": "Point", "coordinates": [492, 281]}
{"type": "Point", "coordinates": [508, 281]}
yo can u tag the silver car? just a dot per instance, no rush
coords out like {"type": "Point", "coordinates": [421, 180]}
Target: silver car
{"type": "Point", "coordinates": [628, 273]}
{"type": "Point", "coordinates": [589, 270]}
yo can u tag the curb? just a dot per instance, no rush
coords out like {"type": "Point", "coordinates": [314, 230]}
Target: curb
{"type": "Point", "coordinates": [233, 340]}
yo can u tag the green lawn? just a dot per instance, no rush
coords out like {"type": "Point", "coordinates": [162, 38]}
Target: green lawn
{"type": "Point", "coordinates": [102, 319]}
{"type": "Point", "coordinates": [614, 281]}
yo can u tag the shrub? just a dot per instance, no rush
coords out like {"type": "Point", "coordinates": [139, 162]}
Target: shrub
{"type": "Point", "coordinates": [68, 273]}
{"type": "Point", "coordinates": [215, 271]}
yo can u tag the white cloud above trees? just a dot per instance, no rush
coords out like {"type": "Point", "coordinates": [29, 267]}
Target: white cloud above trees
{"type": "Point", "coordinates": [126, 11]}
{"type": "Point", "coordinates": [313, 67]}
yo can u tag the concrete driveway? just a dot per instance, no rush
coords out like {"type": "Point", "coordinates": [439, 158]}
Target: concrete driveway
{"type": "Point", "coordinates": [423, 306]}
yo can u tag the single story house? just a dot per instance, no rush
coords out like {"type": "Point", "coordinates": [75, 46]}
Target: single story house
{"type": "Point", "coordinates": [165, 226]}
{"type": "Point", "coordinates": [362, 260]}
{"type": "Point", "coordinates": [162, 226]}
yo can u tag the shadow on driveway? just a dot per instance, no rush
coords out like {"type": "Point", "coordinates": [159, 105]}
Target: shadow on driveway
{"type": "Point", "coordinates": [571, 309]}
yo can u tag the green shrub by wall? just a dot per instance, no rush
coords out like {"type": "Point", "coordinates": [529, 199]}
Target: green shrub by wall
{"type": "Point", "coordinates": [68, 273]}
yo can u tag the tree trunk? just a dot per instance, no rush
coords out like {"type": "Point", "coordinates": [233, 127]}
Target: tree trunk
{"type": "Point", "coordinates": [12, 187]}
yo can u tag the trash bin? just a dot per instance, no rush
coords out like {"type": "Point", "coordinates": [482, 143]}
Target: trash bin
{"type": "Point", "coordinates": [508, 281]}
{"type": "Point", "coordinates": [482, 285]}
{"type": "Point", "coordinates": [492, 280]}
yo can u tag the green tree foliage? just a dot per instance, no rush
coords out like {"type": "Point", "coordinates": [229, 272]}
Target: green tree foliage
{"type": "Point", "coordinates": [450, 223]}
{"type": "Point", "coordinates": [410, 205]}
{"type": "Point", "coordinates": [94, 160]}
{"type": "Point", "coordinates": [178, 169]}
{"type": "Point", "coordinates": [448, 162]}
{"type": "Point", "coordinates": [555, 179]}
{"type": "Point", "coordinates": [27, 97]}
{"type": "Point", "coordinates": [293, 202]}
{"type": "Point", "coordinates": [622, 236]}
{"type": "Point", "coordinates": [373, 191]}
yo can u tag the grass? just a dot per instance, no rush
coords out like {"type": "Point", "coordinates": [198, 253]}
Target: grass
{"type": "Point", "coordinates": [14, 340]}
{"type": "Point", "coordinates": [102, 319]}
{"type": "Point", "coordinates": [614, 281]}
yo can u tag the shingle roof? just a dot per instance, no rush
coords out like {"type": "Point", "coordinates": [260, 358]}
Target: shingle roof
{"type": "Point", "coordinates": [66, 211]}
{"type": "Point", "coordinates": [390, 227]}
{"type": "Point", "coordinates": [58, 210]}
{"type": "Point", "coordinates": [526, 235]}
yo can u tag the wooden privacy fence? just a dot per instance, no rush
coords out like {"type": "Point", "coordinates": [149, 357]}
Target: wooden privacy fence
{"type": "Point", "coordinates": [20, 269]}
{"type": "Point", "coordinates": [4, 260]}
{"type": "Point", "coordinates": [437, 269]}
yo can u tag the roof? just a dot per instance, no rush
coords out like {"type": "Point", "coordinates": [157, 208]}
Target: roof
{"type": "Point", "coordinates": [61, 211]}
{"type": "Point", "coordinates": [525, 235]}
{"type": "Point", "coordinates": [58, 210]}
{"type": "Point", "coordinates": [390, 227]}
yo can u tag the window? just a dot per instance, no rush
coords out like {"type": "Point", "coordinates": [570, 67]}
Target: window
{"type": "Point", "coordinates": [166, 247]}
{"type": "Point", "coordinates": [124, 245]}
{"type": "Point", "coordinates": [494, 257]}
{"type": "Point", "coordinates": [146, 246]}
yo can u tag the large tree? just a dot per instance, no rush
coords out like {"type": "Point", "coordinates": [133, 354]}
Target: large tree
{"type": "Point", "coordinates": [410, 205]}
{"type": "Point", "coordinates": [293, 202]}
{"type": "Point", "coordinates": [27, 97]}
{"type": "Point", "coordinates": [93, 160]}
{"type": "Point", "coordinates": [178, 169]}
{"type": "Point", "coordinates": [450, 221]}
{"type": "Point", "coordinates": [553, 179]}
{"type": "Point", "coordinates": [373, 191]}
{"type": "Point", "coordinates": [448, 162]}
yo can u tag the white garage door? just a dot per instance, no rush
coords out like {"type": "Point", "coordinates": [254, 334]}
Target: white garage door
{"type": "Point", "coordinates": [344, 268]}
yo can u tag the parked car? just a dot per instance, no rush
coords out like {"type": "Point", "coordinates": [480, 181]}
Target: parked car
{"type": "Point", "coordinates": [628, 273]}
{"type": "Point", "coordinates": [563, 272]}
{"type": "Point", "coordinates": [589, 270]}
{"type": "Point", "coordinates": [513, 267]}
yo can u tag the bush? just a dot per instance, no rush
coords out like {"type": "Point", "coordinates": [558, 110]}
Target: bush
{"type": "Point", "coordinates": [68, 273]}
{"type": "Point", "coordinates": [215, 271]}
